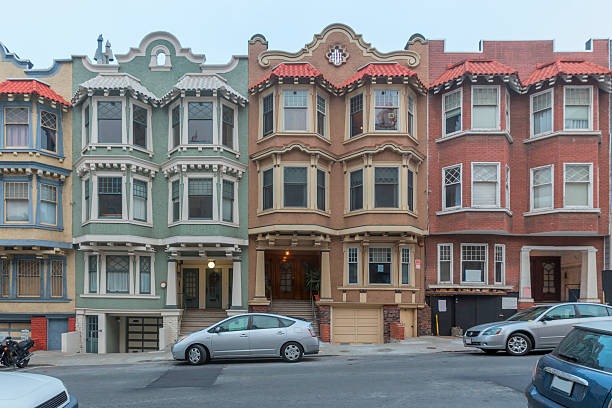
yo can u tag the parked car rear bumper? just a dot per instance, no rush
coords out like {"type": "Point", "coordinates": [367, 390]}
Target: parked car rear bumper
{"type": "Point", "coordinates": [537, 400]}
{"type": "Point", "coordinates": [311, 346]}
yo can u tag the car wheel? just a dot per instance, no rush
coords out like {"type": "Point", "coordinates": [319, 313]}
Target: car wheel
{"type": "Point", "coordinates": [197, 355]}
{"type": "Point", "coordinates": [292, 352]}
{"type": "Point", "coordinates": [518, 344]}
{"type": "Point", "coordinates": [490, 351]}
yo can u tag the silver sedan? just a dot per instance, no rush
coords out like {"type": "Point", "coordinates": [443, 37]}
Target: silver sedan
{"type": "Point", "coordinates": [539, 327]}
{"type": "Point", "coordinates": [249, 335]}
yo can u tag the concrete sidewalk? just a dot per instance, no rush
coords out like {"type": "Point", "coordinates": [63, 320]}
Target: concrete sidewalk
{"type": "Point", "coordinates": [417, 345]}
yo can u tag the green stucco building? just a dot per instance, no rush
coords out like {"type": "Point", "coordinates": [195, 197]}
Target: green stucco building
{"type": "Point", "coordinates": [160, 192]}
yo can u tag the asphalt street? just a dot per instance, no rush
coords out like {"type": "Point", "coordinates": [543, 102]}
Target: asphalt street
{"type": "Point", "coordinates": [427, 380]}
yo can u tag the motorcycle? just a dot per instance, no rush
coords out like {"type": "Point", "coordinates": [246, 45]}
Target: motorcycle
{"type": "Point", "coordinates": [13, 353]}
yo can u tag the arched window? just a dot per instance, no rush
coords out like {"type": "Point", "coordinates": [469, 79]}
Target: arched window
{"type": "Point", "coordinates": [161, 58]}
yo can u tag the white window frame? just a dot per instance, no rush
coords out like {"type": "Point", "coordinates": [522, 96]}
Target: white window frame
{"type": "Point", "coordinates": [400, 190]}
{"type": "Point", "coordinates": [308, 185]}
{"type": "Point", "coordinates": [411, 132]}
{"type": "Point", "coordinates": [392, 271]}
{"type": "Point", "coordinates": [261, 187]}
{"type": "Point", "coordinates": [531, 121]}
{"type": "Point", "coordinates": [185, 203]}
{"type": "Point", "coordinates": [185, 123]}
{"type": "Point", "coordinates": [234, 108]}
{"type": "Point", "coordinates": [170, 214]}
{"type": "Point", "coordinates": [86, 269]}
{"type": "Point", "coordinates": [497, 189]}
{"type": "Point", "coordinates": [93, 124]}
{"type": "Point", "coordinates": [450, 245]}
{"type": "Point", "coordinates": [94, 211]}
{"type": "Point", "coordinates": [236, 220]}
{"type": "Point", "coordinates": [444, 208]}
{"type": "Point", "coordinates": [149, 200]}
{"type": "Point", "coordinates": [84, 143]}
{"type": "Point", "coordinates": [503, 263]}
{"type": "Point", "coordinates": [102, 281]}
{"type": "Point", "coordinates": [590, 189]}
{"type": "Point", "coordinates": [325, 115]}
{"type": "Point", "coordinates": [507, 187]}
{"type": "Point", "coordinates": [348, 282]}
{"type": "Point", "coordinates": [460, 90]}
{"type": "Point", "coordinates": [261, 114]}
{"type": "Point", "coordinates": [401, 264]}
{"type": "Point", "coordinates": [84, 181]}
{"type": "Point", "coordinates": [308, 108]}
{"type": "Point", "coordinates": [507, 110]}
{"type": "Point", "coordinates": [170, 109]}
{"type": "Point", "coordinates": [497, 111]}
{"type": "Point", "coordinates": [137, 274]}
{"type": "Point", "coordinates": [531, 195]}
{"type": "Point", "coordinates": [149, 135]}
{"type": "Point", "coordinates": [398, 108]}
{"type": "Point", "coordinates": [486, 263]}
{"type": "Point", "coordinates": [591, 97]}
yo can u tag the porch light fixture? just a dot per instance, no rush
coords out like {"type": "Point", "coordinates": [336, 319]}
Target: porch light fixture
{"type": "Point", "coordinates": [211, 264]}
{"type": "Point", "coordinates": [287, 253]}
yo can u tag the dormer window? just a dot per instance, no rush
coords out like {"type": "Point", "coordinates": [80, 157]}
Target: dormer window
{"type": "Point", "coordinates": [16, 124]}
{"type": "Point", "coordinates": [109, 122]}
{"type": "Point", "coordinates": [485, 107]}
{"type": "Point", "coordinates": [577, 112]}
{"type": "Point", "coordinates": [295, 110]}
{"type": "Point", "coordinates": [542, 113]}
{"type": "Point", "coordinates": [386, 110]}
{"type": "Point", "coordinates": [452, 112]}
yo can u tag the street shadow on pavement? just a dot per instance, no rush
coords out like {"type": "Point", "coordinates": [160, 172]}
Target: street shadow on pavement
{"type": "Point", "coordinates": [478, 353]}
{"type": "Point", "coordinates": [233, 361]}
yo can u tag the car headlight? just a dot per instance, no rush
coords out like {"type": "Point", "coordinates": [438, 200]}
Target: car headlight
{"type": "Point", "coordinates": [492, 331]}
{"type": "Point", "coordinates": [181, 339]}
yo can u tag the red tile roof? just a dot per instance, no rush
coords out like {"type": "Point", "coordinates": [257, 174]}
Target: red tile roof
{"type": "Point", "coordinates": [393, 70]}
{"type": "Point", "coordinates": [32, 87]}
{"type": "Point", "coordinates": [549, 70]}
{"type": "Point", "coordinates": [300, 70]}
{"type": "Point", "coordinates": [473, 67]}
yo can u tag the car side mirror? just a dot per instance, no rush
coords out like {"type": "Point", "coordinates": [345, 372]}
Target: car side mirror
{"type": "Point", "coordinates": [217, 329]}
{"type": "Point", "coordinates": [545, 319]}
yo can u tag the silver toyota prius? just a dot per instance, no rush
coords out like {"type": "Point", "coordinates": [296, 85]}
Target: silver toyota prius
{"type": "Point", "coordinates": [539, 327]}
{"type": "Point", "coordinates": [249, 335]}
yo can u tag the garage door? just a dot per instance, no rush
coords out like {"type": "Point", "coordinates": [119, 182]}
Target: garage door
{"type": "Point", "coordinates": [356, 325]}
{"type": "Point", "coordinates": [143, 333]}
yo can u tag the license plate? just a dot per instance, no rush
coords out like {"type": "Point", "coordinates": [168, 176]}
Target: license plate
{"type": "Point", "coordinates": [562, 385]}
{"type": "Point", "coordinates": [468, 341]}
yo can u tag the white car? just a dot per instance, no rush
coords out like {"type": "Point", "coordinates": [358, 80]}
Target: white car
{"type": "Point", "coordinates": [24, 390]}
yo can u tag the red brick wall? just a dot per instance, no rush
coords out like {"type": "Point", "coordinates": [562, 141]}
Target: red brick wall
{"type": "Point", "coordinates": [39, 332]}
{"type": "Point", "coordinates": [71, 324]}
{"type": "Point", "coordinates": [424, 321]}
{"type": "Point", "coordinates": [391, 314]}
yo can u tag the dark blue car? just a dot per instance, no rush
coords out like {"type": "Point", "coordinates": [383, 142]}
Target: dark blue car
{"type": "Point", "coordinates": [578, 373]}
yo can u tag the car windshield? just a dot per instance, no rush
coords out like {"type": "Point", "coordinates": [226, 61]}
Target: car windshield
{"type": "Point", "coordinates": [528, 315]}
{"type": "Point", "coordinates": [587, 348]}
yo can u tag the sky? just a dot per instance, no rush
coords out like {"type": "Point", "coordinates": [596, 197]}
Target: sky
{"type": "Point", "coordinates": [44, 30]}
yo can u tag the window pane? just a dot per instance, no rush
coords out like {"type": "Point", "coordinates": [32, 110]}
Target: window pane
{"type": "Point", "coordinates": [473, 259]}
{"type": "Point", "coordinates": [321, 190]}
{"type": "Point", "coordinates": [110, 200]}
{"type": "Point", "coordinates": [386, 187]}
{"type": "Point", "coordinates": [93, 273]}
{"type": "Point", "coordinates": [139, 126]}
{"type": "Point", "coordinates": [176, 207]}
{"type": "Point", "coordinates": [109, 122]}
{"type": "Point", "coordinates": [265, 322]}
{"type": "Point", "coordinates": [484, 185]}
{"type": "Point", "coordinates": [410, 190]}
{"type": "Point", "coordinates": [453, 196]}
{"type": "Point", "coordinates": [117, 273]}
{"type": "Point", "coordinates": [380, 265]}
{"type": "Point", "coordinates": [353, 262]}
{"type": "Point", "coordinates": [228, 201]}
{"type": "Point", "coordinates": [48, 127]}
{"type": "Point", "coordinates": [56, 267]}
{"type": "Point", "coordinates": [405, 266]}
{"type": "Point", "coordinates": [592, 311]}
{"type": "Point", "coordinates": [16, 195]}
{"type": "Point", "coordinates": [542, 113]}
{"type": "Point", "coordinates": [542, 196]}
{"type": "Point", "coordinates": [145, 274]}
{"type": "Point", "coordinates": [228, 127]}
{"type": "Point", "coordinates": [200, 122]}
{"type": "Point", "coordinates": [386, 111]}
{"type": "Point", "coordinates": [485, 117]}
{"type": "Point", "coordinates": [48, 213]}
{"type": "Point", "coordinates": [176, 126]}
{"type": "Point", "coordinates": [356, 190]}
{"type": "Point", "coordinates": [140, 200]}
{"type": "Point", "coordinates": [356, 113]}
{"type": "Point", "coordinates": [295, 118]}
{"type": "Point", "coordinates": [576, 117]}
{"type": "Point", "coordinates": [28, 278]}
{"type": "Point", "coordinates": [577, 194]}
{"type": "Point", "coordinates": [268, 114]}
{"type": "Point", "coordinates": [444, 261]}
{"type": "Point", "coordinates": [295, 187]}
{"type": "Point", "coordinates": [268, 189]}
{"type": "Point", "coordinates": [200, 198]}
{"type": "Point", "coordinates": [445, 268]}
{"type": "Point", "coordinates": [236, 324]}
{"type": "Point", "coordinates": [321, 115]}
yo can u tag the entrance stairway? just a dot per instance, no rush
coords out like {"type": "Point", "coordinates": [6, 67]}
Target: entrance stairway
{"type": "Point", "coordinates": [198, 319]}
{"type": "Point", "coordinates": [300, 309]}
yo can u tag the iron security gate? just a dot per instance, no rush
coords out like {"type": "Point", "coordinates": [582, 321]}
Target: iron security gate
{"type": "Point", "coordinates": [143, 333]}
{"type": "Point", "coordinates": [91, 336]}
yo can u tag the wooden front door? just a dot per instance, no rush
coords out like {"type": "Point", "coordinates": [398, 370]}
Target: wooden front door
{"type": "Point", "coordinates": [287, 275]}
{"type": "Point", "coordinates": [213, 289]}
{"type": "Point", "coordinates": [191, 288]}
{"type": "Point", "coordinates": [546, 278]}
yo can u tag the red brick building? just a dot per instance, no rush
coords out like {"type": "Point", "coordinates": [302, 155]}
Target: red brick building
{"type": "Point", "coordinates": [518, 178]}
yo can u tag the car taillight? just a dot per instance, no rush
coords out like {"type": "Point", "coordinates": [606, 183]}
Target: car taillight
{"type": "Point", "coordinates": [311, 332]}
{"type": "Point", "coordinates": [534, 372]}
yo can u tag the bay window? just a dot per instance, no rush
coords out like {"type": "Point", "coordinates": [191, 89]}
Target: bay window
{"type": "Point", "coordinates": [48, 131]}
{"type": "Point", "coordinates": [356, 115]}
{"type": "Point", "coordinates": [473, 263]}
{"type": "Point", "coordinates": [577, 110]}
{"type": "Point", "coordinates": [578, 185]}
{"type": "Point", "coordinates": [451, 190]}
{"type": "Point", "coordinates": [28, 277]}
{"type": "Point", "coordinates": [200, 196]}
{"type": "Point", "coordinates": [445, 263]}
{"type": "Point", "coordinates": [139, 126]}
{"type": "Point", "coordinates": [17, 201]}
{"type": "Point", "coordinates": [48, 204]}
{"type": "Point", "coordinates": [295, 186]}
{"type": "Point", "coordinates": [356, 185]}
{"type": "Point", "coordinates": [379, 265]}
{"type": "Point", "coordinates": [451, 106]}
{"type": "Point", "coordinates": [352, 258]}
{"type": "Point", "coordinates": [117, 274]}
{"type": "Point", "coordinates": [110, 126]}
{"type": "Point", "coordinates": [16, 127]}
{"type": "Point", "coordinates": [542, 188]}
{"type": "Point", "coordinates": [485, 107]}
{"type": "Point", "coordinates": [139, 199]}
{"type": "Point", "coordinates": [110, 197]}
{"type": "Point", "coordinates": [485, 184]}
{"type": "Point", "coordinates": [267, 189]}
{"type": "Point", "coordinates": [268, 114]}
{"type": "Point", "coordinates": [542, 113]}
{"type": "Point", "coordinates": [321, 115]}
{"type": "Point", "coordinates": [295, 111]}
{"type": "Point", "coordinates": [386, 109]}
{"type": "Point", "coordinates": [228, 201]}
{"type": "Point", "coordinates": [200, 122]}
{"type": "Point", "coordinates": [386, 187]}
{"type": "Point", "coordinates": [227, 132]}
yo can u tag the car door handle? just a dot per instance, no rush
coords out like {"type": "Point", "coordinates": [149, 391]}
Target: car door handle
{"type": "Point", "coordinates": [280, 332]}
{"type": "Point", "coordinates": [244, 335]}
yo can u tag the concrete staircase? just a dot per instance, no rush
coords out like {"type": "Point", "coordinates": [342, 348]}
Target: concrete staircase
{"type": "Point", "coordinates": [198, 319]}
{"type": "Point", "coordinates": [300, 309]}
